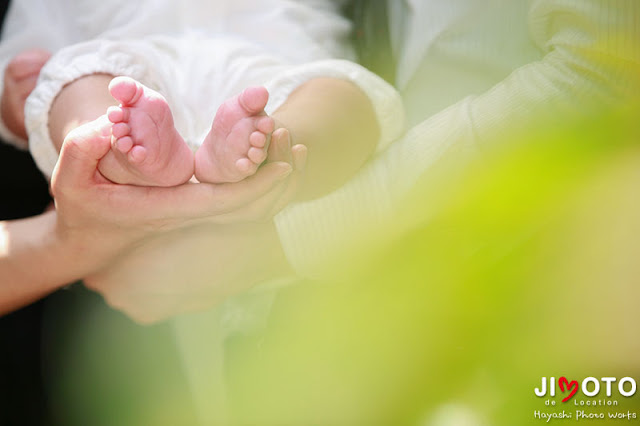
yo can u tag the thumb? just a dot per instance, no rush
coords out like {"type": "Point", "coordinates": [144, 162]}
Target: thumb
{"type": "Point", "coordinates": [81, 151]}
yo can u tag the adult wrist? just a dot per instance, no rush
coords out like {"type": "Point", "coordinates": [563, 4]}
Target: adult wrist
{"type": "Point", "coordinates": [34, 261]}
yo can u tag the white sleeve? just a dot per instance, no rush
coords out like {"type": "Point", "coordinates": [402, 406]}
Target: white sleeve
{"type": "Point", "coordinates": [29, 24]}
{"type": "Point", "coordinates": [116, 57]}
{"type": "Point", "coordinates": [56, 24]}
{"type": "Point", "coordinates": [592, 61]}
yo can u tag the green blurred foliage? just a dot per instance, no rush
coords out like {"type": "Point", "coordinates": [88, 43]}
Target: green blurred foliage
{"type": "Point", "coordinates": [528, 266]}
{"type": "Point", "coordinates": [520, 265]}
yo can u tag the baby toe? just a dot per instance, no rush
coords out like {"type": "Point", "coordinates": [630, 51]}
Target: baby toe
{"type": "Point", "coordinates": [257, 155]}
{"type": "Point", "coordinates": [125, 89]}
{"type": "Point", "coordinates": [246, 166]}
{"type": "Point", "coordinates": [123, 144]}
{"type": "Point", "coordinates": [117, 114]}
{"type": "Point", "coordinates": [137, 154]}
{"type": "Point", "coordinates": [257, 139]}
{"type": "Point", "coordinates": [254, 99]}
{"type": "Point", "coordinates": [120, 130]}
{"type": "Point", "coordinates": [265, 124]}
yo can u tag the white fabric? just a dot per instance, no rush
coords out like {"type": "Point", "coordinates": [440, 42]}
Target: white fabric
{"type": "Point", "coordinates": [197, 54]}
{"type": "Point", "coordinates": [469, 70]}
{"type": "Point", "coordinates": [18, 35]}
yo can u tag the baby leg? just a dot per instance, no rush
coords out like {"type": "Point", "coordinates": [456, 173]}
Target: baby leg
{"type": "Point", "coordinates": [146, 147]}
{"type": "Point", "coordinates": [236, 144]}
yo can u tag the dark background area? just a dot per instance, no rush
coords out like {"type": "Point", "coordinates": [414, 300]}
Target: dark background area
{"type": "Point", "coordinates": [23, 193]}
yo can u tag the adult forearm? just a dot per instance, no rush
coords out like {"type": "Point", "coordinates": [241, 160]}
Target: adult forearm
{"type": "Point", "coordinates": [34, 261]}
{"type": "Point", "coordinates": [191, 269]}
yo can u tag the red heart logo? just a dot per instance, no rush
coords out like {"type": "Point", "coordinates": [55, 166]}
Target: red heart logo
{"type": "Point", "coordinates": [573, 385]}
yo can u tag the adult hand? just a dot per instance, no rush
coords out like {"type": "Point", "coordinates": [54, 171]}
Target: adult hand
{"type": "Point", "coordinates": [264, 208]}
{"type": "Point", "coordinates": [104, 218]}
{"type": "Point", "coordinates": [190, 270]}
{"type": "Point", "coordinates": [214, 261]}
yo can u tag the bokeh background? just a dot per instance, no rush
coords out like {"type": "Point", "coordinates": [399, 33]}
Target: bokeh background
{"type": "Point", "coordinates": [523, 264]}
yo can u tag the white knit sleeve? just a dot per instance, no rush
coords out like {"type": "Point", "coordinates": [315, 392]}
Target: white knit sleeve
{"type": "Point", "coordinates": [131, 58]}
{"type": "Point", "coordinates": [592, 61]}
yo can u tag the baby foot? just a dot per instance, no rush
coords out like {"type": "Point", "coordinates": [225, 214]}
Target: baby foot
{"type": "Point", "coordinates": [146, 148]}
{"type": "Point", "coordinates": [236, 144]}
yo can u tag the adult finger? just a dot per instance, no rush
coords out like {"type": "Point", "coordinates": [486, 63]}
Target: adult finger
{"type": "Point", "coordinates": [81, 151]}
{"type": "Point", "coordinates": [280, 147]}
{"type": "Point", "coordinates": [194, 201]}
{"type": "Point", "coordinates": [297, 156]}
{"type": "Point", "coordinates": [276, 199]}
{"type": "Point", "coordinates": [299, 153]}
{"type": "Point", "coordinates": [254, 196]}
{"type": "Point", "coordinates": [258, 210]}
